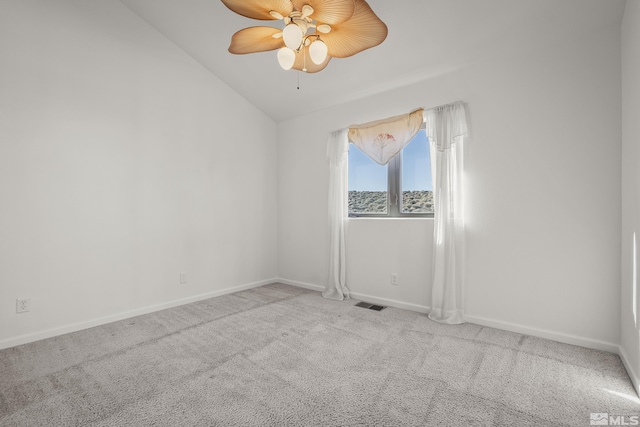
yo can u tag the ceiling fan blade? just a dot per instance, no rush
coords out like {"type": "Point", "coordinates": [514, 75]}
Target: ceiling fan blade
{"type": "Point", "coordinates": [328, 11]}
{"type": "Point", "coordinates": [255, 39]}
{"type": "Point", "coordinates": [363, 31]}
{"type": "Point", "coordinates": [259, 9]}
{"type": "Point", "coordinates": [303, 62]}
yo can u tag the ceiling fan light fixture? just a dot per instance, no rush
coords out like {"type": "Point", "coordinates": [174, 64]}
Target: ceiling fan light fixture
{"type": "Point", "coordinates": [292, 35]}
{"type": "Point", "coordinates": [315, 31]}
{"type": "Point", "coordinates": [306, 10]}
{"type": "Point", "coordinates": [286, 58]}
{"type": "Point", "coordinates": [318, 51]}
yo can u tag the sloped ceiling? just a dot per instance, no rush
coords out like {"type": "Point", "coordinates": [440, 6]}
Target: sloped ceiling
{"type": "Point", "coordinates": [426, 38]}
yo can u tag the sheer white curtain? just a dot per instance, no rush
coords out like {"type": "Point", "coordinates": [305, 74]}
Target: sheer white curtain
{"type": "Point", "coordinates": [337, 151]}
{"type": "Point", "coordinates": [447, 127]}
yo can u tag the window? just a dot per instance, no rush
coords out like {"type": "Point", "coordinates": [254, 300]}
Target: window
{"type": "Point", "coordinates": [401, 188]}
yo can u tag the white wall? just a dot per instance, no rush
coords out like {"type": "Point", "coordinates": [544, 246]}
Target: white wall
{"type": "Point", "coordinates": [629, 309]}
{"type": "Point", "coordinates": [114, 178]}
{"type": "Point", "coordinates": [122, 163]}
{"type": "Point", "coordinates": [543, 203]}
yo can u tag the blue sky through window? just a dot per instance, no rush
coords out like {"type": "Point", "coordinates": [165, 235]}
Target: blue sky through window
{"type": "Point", "coordinates": [367, 175]}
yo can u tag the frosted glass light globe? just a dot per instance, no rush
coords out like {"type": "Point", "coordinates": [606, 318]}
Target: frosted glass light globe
{"type": "Point", "coordinates": [286, 58]}
{"type": "Point", "coordinates": [318, 52]}
{"type": "Point", "coordinates": [292, 35]}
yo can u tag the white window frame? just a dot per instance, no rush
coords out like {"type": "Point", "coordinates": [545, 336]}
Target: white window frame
{"type": "Point", "coordinates": [394, 192]}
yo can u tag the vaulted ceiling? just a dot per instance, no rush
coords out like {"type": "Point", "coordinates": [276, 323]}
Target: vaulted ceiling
{"type": "Point", "coordinates": [426, 38]}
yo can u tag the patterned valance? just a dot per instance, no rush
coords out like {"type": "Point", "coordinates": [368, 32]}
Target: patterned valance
{"type": "Point", "coordinates": [383, 139]}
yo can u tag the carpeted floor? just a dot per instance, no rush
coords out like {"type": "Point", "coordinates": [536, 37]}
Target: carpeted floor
{"type": "Point", "coordinates": [283, 356]}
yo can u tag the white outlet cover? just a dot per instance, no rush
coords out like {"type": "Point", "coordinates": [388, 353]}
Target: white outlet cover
{"type": "Point", "coordinates": [23, 305]}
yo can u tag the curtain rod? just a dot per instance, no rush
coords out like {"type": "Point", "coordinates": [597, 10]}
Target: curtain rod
{"type": "Point", "coordinates": [451, 104]}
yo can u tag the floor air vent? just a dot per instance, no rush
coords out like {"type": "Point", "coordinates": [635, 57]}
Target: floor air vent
{"type": "Point", "coordinates": [370, 306]}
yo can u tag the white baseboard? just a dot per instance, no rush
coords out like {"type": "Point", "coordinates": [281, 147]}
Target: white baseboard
{"type": "Point", "coordinates": [361, 297]}
{"type": "Point", "coordinates": [507, 326]}
{"type": "Point", "coordinates": [304, 285]}
{"type": "Point", "coordinates": [552, 335]}
{"type": "Point", "coordinates": [390, 302]}
{"type": "Point", "coordinates": [543, 333]}
{"type": "Point", "coordinates": [74, 327]}
{"type": "Point", "coordinates": [629, 367]}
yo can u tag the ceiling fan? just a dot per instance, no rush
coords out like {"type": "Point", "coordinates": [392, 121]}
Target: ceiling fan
{"type": "Point", "coordinates": [314, 30]}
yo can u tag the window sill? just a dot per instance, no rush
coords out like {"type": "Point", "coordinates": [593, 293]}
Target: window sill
{"type": "Point", "coordinates": [388, 218]}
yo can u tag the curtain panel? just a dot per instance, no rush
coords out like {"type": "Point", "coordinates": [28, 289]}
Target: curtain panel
{"type": "Point", "coordinates": [337, 151]}
{"type": "Point", "coordinates": [447, 128]}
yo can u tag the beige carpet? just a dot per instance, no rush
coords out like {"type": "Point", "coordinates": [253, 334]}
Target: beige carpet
{"type": "Point", "coordinates": [284, 356]}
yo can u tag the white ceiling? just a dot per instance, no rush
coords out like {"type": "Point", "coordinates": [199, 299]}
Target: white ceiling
{"type": "Point", "coordinates": [426, 38]}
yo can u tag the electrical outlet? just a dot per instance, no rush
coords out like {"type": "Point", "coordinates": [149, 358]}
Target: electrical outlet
{"type": "Point", "coordinates": [183, 277]}
{"type": "Point", "coordinates": [23, 305]}
{"type": "Point", "coordinates": [394, 279]}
